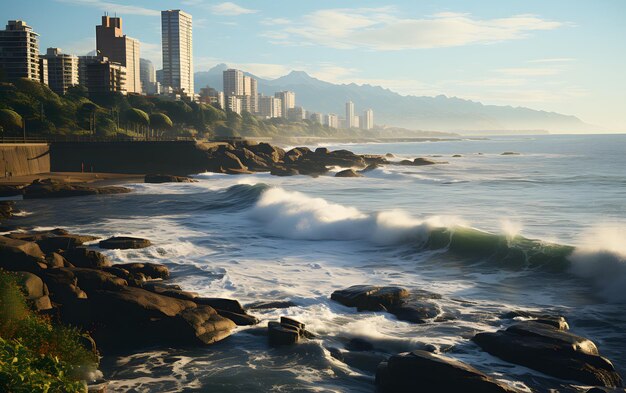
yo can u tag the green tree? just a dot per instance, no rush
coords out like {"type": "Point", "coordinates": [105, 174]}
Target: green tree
{"type": "Point", "coordinates": [138, 119]}
{"type": "Point", "coordinates": [10, 121]}
{"type": "Point", "coordinates": [160, 122]}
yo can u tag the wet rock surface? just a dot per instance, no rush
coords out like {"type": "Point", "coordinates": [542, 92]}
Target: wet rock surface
{"type": "Point", "coordinates": [161, 178]}
{"type": "Point", "coordinates": [49, 188]}
{"type": "Point", "coordinates": [415, 306]}
{"type": "Point", "coordinates": [555, 352]}
{"type": "Point", "coordinates": [124, 243]}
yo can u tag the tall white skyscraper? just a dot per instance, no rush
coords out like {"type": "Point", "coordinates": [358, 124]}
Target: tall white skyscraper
{"type": "Point", "coordinates": [233, 83]}
{"type": "Point", "coordinates": [177, 42]}
{"type": "Point", "coordinates": [19, 51]}
{"type": "Point", "coordinates": [288, 101]}
{"type": "Point", "coordinates": [367, 121]}
{"type": "Point", "coordinates": [349, 114]}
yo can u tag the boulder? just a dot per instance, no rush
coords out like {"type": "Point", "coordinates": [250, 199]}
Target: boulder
{"type": "Point", "coordinates": [160, 178]}
{"type": "Point", "coordinates": [284, 171]}
{"type": "Point", "coordinates": [228, 308]}
{"type": "Point", "coordinates": [264, 305]}
{"type": "Point", "coordinates": [348, 173]}
{"type": "Point", "coordinates": [415, 307]}
{"type": "Point", "coordinates": [268, 151]}
{"type": "Point", "coordinates": [279, 334]}
{"type": "Point", "coordinates": [20, 255]}
{"type": "Point", "coordinates": [9, 190]}
{"type": "Point", "coordinates": [359, 344]}
{"type": "Point", "coordinates": [424, 161]}
{"type": "Point", "coordinates": [510, 153]}
{"type": "Point", "coordinates": [152, 271]}
{"type": "Point", "coordinates": [93, 279]}
{"type": "Point", "coordinates": [124, 243]}
{"type": "Point", "coordinates": [557, 321]}
{"type": "Point", "coordinates": [322, 151]}
{"type": "Point", "coordinates": [83, 257]}
{"type": "Point", "coordinates": [551, 351]}
{"type": "Point", "coordinates": [369, 168]}
{"type": "Point", "coordinates": [49, 188]}
{"type": "Point", "coordinates": [35, 290]}
{"type": "Point", "coordinates": [53, 240]}
{"type": "Point", "coordinates": [169, 290]}
{"type": "Point", "coordinates": [370, 298]}
{"type": "Point", "coordinates": [251, 160]}
{"type": "Point", "coordinates": [62, 284]}
{"type": "Point", "coordinates": [56, 260]}
{"type": "Point", "coordinates": [421, 371]}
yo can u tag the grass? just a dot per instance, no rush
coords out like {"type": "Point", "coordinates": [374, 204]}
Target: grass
{"type": "Point", "coordinates": [35, 354]}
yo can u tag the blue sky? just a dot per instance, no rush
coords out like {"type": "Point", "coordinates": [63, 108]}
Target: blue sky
{"type": "Point", "coordinates": [566, 56]}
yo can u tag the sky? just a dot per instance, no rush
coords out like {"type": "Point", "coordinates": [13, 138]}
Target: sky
{"type": "Point", "coordinates": [566, 56]}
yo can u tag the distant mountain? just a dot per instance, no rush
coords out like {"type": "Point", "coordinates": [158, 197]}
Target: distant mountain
{"type": "Point", "coordinates": [440, 113]}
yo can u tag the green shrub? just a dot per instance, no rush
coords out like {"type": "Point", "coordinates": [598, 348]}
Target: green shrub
{"type": "Point", "coordinates": [35, 354]}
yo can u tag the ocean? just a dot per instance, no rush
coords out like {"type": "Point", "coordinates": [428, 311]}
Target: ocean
{"type": "Point", "coordinates": [262, 237]}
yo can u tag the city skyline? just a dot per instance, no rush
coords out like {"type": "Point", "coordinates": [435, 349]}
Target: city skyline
{"type": "Point", "coordinates": [552, 57]}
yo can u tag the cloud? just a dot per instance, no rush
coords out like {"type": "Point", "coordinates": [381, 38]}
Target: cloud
{"type": "Point", "coordinates": [384, 29]}
{"type": "Point", "coordinates": [114, 7]}
{"type": "Point", "coordinates": [275, 21]}
{"type": "Point", "coordinates": [555, 60]}
{"type": "Point", "coordinates": [231, 9]}
{"type": "Point", "coordinates": [529, 71]}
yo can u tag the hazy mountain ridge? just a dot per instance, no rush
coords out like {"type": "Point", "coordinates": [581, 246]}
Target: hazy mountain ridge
{"type": "Point", "coordinates": [440, 113]}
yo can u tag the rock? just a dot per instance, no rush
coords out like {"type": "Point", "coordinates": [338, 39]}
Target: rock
{"type": "Point", "coordinates": [124, 243]}
{"type": "Point", "coordinates": [160, 178]}
{"type": "Point", "coordinates": [425, 161]}
{"type": "Point", "coordinates": [263, 305]}
{"type": "Point", "coordinates": [133, 317]}
{"type": "Point", "coordinates": [310, 167]}
{"type": "Point", "coordinates": [239, 319]}
{"type": "Point", "coordinates": [152, 271]}
{"type": "Point", "coordinates": [83, 257]}
{"type": "Point", "coordinates": [56, 260]}
{"type": "Point", "coordinates": [556, 321]}
{"type": "Point", "coordinates": [283, 171]}
{"type": "Point", "coordinates": [9, 191]}
{"type": "Point", "coordinates": [457, 156]}
{"type": "Point", "coordinates": [412, 307]}
{"type": "Point", "coordinates": [35, 290]}
{"type": "Point", "coordinates": [279, 334]}
{"type": "Point", "coordinates": [421, 371]}
{"type": "Point", "coordinates": [49, 188]}
{"type": "Point", "coordinates": [251, 160]}
{"type": "Point", "coordinates": [348, 173]}
{"type": "Point", "coordinates": [389, 155]}
{"type": "Point", "coordinates": [358, 345]}
{"type": "Point", "coordinates": [6, 209]}
{"type": "Point", "coordinates": [229, 308]}
{"type": "Point", "coordinates": [53, 240]}
{"type": "Point", "coordinates": [370, 298]}
{"type": "Point", "coordinates": [598, 389]}
{"type": "Point", "coordinates": [268, 151]}
{"type": "Point", "coordinates": [510, 153]}
{"type": "Point", "coordinates": [322, 151]}
{"type": "Point", "coordinates": [171, 291]}
{"type": "Point", "coordinates": [19, 255]}
{"type": "Point", "coordinates": [94, 279]}
{"type": "Point", "coordinates": [62, 284]}
{"type": "Point", "coordinates": [551, 351]}
{"type": "Point", "coordinates": [100, 386]}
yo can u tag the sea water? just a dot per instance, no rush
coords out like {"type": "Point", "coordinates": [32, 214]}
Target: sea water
{"type": "Point", "coordinates": [261, 237]}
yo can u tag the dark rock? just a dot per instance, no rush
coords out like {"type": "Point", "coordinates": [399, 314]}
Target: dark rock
{"type": "Point", "coordinates": [358, 344]}
{"type": "Point", "coordinates": [83, 257]}
{"type": "Point", "coordinates": [336, 353]}
{"type": "Point", "coordinates": [370, 168]}
{"type": "Point", "coordinates": [556, 321]}
{"type": "Point", "coordinates": [239, 319]}
{"type": "Point", "coordinates": [348, 173]}
{"type": "Point", "coordinates": [389, 155]}
{"type": "Point", "coordinates": [292, 322]}
{"type": "Point", "coordinates": [551, 351]}
{"type": "Point", "coordinates": [56, 260]}
{"type": "Point", "coordinates": [283, 171]}
{"type": "Point", "coordinates": [263, 305]}
{"type": "Point", "coordinates": [9, 191]}
{"type": "Point", "coordinates": [62, 284]}
{"type": "Point", "coordinates": [159, 178]}
{"type": "Point", "coordinates": [370, 298]}
{"type": "Point", "coordinates": [280, 334]}
{"type": "Point", "coordinates": [6, 209]}
{"type": "Point", "coordinates": [252, 161]}
{"type": "Point", "coordinates": [416, 312]}
{"type": "Point", "coordinates": [421, 371]}
{"type": "Point", "coordinates": [151, 271]}
{"type": "Point", "coordinates": [322, 151]}
{"type": "Point", "coordinates": [49, 188]}
{"type": "Point", "coordinates": [457, 156]}
{"type": "Point", "coordinates": [265, 150]}
{"type": "Point", "coordinates": [19, 255]}
{"type": "Point", "coordinates": [425, 161]}
{"type": "Point", "coordinates": [124, 243]}
{"type": "Point", "coordinates": [35, 290]}
{"type": "Point", "coordinates": [510, 153]}
{"type": "Point", "coordinates": [94, 279]}
{"type": "Point", "coordinates": [231, 305]}
{"type": "Point", "coordinates": [54, 240]}
{"type": "Point", "coordinates": [310, 167]}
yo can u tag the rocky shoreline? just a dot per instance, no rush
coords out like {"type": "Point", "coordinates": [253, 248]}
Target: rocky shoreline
{"type": "Point", "coordinates": [131, 306]}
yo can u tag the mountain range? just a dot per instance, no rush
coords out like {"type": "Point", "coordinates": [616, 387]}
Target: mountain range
{"type": "Point", "coordinates": [440, 113]}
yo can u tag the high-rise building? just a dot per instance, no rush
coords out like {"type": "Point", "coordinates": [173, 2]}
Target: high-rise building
{"type": "Point", "coordinates": [367, 120]}
{"type": "Point", "coordinates": [112, 43]}
{"type": "Point", "coordinates": [288, 100]}
{"type": "Point", "coordinates": [250, 89]}
{"type": "Point", "coordinates": [233, 82]}
{"type": "Point", "coordinates": [211, 96]}
{"type": "Point", "coordinates": [233, 104]}
{"type": "Point", "coordinates": [296, 113]}
{"type": "Point", "coordinates": [270, 106]}
{"type": "Point", "coordinates": [177, 42]}
{"type": "Point", "coordinates": [332, 120]}
{"type": "Point", "coordinates": [349, 114]}
{"type": "Point", "coordinates": [147, 75]}
{"type": "Point", "coordinates": [316, 118]}
{"type": "Point", "coordinates": [99, 75]}
{"type": "Point", "coordinates": [62, 70]}
{"type": "Point", "coordinates": [43, 70]}
{"type": "Point", "coordinates": [19, 52]}
{"type": "Point", "coordinates": [356, 121]}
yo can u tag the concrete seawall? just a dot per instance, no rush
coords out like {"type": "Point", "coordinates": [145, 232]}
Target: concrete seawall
{"type": "Point", "coordinates": [170, 157]}
{"type": "Point", "coordinates": [24, 159]}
